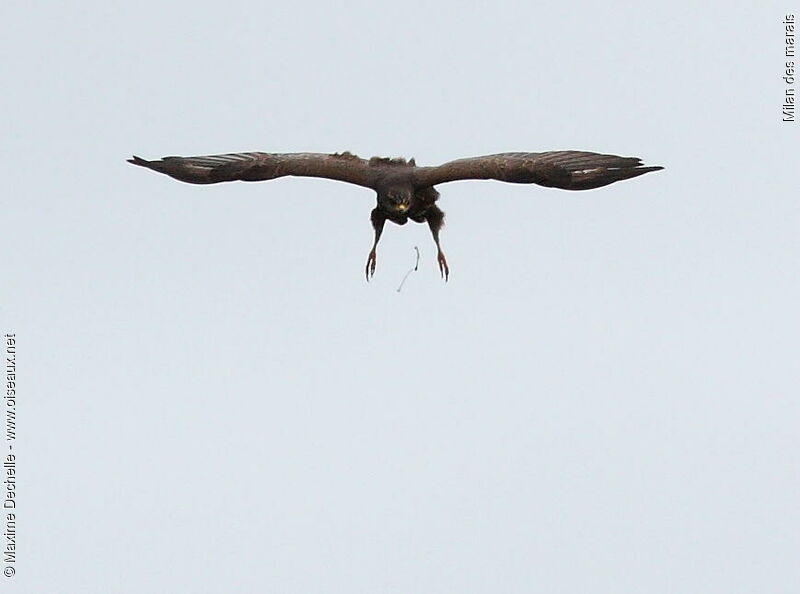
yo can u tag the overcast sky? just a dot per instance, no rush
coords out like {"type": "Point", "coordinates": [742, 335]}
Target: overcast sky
{"type": "Point", "coordinates": [210, 398]}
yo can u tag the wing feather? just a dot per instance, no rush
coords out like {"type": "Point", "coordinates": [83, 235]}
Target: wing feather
{"type": "Point", "coordinates": [213, 169]}
{"type": "Point", "coordinates": [569, 170]}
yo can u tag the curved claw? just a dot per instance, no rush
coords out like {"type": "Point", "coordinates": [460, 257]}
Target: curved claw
{"type": "Point", "coordinates": [372, 260]}
{"type": "Point", "coordinates": [444, 270]}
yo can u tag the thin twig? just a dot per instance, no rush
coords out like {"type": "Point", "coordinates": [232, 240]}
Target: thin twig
{"type": "Point", "coordinates": [416, 267]}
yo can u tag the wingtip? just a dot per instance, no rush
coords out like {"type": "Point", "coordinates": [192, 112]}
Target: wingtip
{"type": "Point", "coordinates": [138, 161]}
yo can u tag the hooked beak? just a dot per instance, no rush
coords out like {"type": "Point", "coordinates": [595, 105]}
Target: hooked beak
{"type": "Point", "coordinates": [401, 207]}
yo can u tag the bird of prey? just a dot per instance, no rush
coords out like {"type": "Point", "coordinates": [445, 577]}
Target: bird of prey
{"type": "Point", "coordinates": [404, 190]}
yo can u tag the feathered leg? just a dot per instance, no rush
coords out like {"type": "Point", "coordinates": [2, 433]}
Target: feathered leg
{"type": "Point", "coordinates": [378, 220]}
{"type": "Point", "coordinates": [435, 218]}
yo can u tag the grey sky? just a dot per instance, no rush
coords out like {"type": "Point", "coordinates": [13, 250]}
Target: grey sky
{"type": "Point", "coordinates": [602, 399]}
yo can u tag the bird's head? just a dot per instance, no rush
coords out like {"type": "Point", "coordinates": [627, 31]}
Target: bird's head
{"type": "Point", "coordinates": [396, 200]}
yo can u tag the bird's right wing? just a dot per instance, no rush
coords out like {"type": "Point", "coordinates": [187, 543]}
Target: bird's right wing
{"type": "Point", "coordinates": [213, 169]}
{"type": "Point", "coordinates": [569, 170]}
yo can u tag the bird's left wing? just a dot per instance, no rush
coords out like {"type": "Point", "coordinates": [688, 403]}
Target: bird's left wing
{"type": "Point", "coordinates": [569, 170]}
{"type": "Point", "coordinates": [214, 169]}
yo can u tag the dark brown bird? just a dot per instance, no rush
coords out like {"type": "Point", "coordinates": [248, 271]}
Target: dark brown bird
{"type": "Point", "coordinates": [404, 190]}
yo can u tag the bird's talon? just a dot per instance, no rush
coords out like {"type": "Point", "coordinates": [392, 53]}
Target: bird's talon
{"type": "Point", "coordinates": [444, 270]}
{"type": "Point", "coordinates": [371, 262]}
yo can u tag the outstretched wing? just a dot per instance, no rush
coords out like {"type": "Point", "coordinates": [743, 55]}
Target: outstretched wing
{"type": "Point", "coordinates": [213, 169]}
{"type": "Point", "coordinates": [569, 170]}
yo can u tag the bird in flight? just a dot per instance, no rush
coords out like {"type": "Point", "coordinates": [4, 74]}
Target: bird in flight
{"type": "Point", "coordinates": [404, 190]}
